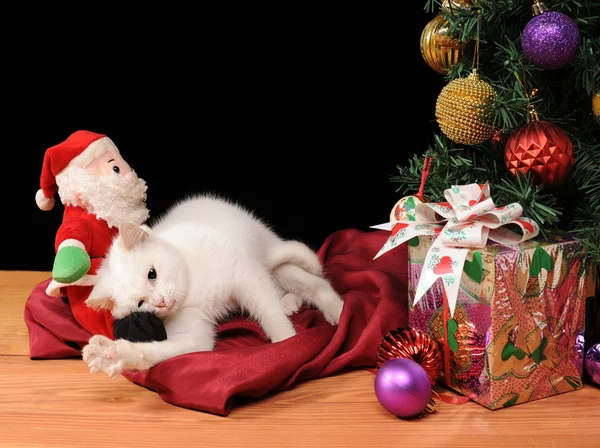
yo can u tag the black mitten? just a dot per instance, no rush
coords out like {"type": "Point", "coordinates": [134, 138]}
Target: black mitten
{"type": "Point", "coordinates": [140, 327]}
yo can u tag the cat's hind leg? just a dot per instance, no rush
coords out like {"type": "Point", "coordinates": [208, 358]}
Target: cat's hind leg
{"type": "Point", "coordinates": [291, 303]}
{"type": "Point", "coordinates": [314, 289]}
{"type": "Point", "coordinates": [259, 295]}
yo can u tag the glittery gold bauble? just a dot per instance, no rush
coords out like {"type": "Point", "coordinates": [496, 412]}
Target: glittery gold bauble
{"type": "Point", "coordinates": [438, 57]}
{"type": "Point", "coordinates": [596, 105]}
{"type": "Point", "coordinates": [463, 110]}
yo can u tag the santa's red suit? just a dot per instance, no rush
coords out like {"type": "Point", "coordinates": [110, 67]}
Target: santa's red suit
{"type": "Point", "coordinates": [96, 237]}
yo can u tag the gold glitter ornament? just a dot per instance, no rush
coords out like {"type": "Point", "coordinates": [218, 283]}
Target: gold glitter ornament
{"type": "Point", "coordinates": [463, 110]}
{"type": "Point", "coordinates": [596, 105]}
{"type": "Point", "coordinates": [440, 58]}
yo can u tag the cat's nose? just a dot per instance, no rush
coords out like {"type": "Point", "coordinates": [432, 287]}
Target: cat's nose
{"type": "Point", "coordinates": [161, 303]}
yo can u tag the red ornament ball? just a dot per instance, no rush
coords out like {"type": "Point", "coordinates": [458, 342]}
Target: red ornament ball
{"type": "Point", "coordinates": [542, 149]}
{"type": "Point", "coordinates": [414, 344]}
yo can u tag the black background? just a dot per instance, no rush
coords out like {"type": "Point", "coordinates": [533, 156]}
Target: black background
{"type": "Point", "coordinates": [300, 114]}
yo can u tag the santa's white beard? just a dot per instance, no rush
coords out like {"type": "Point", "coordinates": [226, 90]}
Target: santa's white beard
{"type": "Point", "coordinates": [112, 198]}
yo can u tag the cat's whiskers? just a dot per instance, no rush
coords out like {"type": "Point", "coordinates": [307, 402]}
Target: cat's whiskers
{"type": "Point", "coordinates": [171, 293]}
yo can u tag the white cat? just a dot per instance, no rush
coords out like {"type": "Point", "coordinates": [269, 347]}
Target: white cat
{"type": "Point", "coordinates": [205, 258]}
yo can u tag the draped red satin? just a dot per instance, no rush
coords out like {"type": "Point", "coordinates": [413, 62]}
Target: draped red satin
{"type": "Point", "coordinates": [244, 364]}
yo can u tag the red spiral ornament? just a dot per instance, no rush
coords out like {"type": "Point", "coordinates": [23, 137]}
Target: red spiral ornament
{"type": "Point", "coordinates": [407, 342]}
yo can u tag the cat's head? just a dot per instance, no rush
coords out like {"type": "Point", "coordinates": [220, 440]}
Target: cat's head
{"type": "Point", "coordinates": [139, 273]}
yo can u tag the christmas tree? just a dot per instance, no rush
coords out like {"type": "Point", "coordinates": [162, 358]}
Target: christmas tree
{"type": "Point", "coordinates": [520, 109]}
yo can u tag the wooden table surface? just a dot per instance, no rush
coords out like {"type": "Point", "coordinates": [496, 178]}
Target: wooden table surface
{"type": "Point", "coordinates": [58, 403]}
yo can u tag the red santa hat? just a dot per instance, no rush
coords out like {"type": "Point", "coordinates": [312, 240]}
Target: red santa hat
{"type": "Point", "coordinates": [78, 150]}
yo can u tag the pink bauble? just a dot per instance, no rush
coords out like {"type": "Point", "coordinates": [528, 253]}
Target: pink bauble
{"type": "Point", "coordinates": [592, 363]}
{"type": "Point", "coordinates": [402, 387]}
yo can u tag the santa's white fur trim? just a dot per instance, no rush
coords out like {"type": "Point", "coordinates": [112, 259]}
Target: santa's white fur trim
{"type": "Point", "coordinates": [71, 242]}
{"type": "Point", "coordinates": [92, 152]}
{"type": "Point", "coordinates": [54, 287]}
{"type": "Point", "coordinates": [43, 202]}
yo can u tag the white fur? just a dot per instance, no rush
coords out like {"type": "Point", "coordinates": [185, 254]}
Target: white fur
{"type": "Point", "coordinates": [71, 242]}
{"type": "Point", "coordinates": [111, 198]}
{"type": "Point", "coordinates": [43, 202]}
{"type": "Point", "coordinates": [211, 257]}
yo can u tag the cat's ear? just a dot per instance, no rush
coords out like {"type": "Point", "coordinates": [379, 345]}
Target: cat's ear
{"type": "Point", "coordinates": [131, 234]}
{"type": "Point", "coordinates": [100, 298]}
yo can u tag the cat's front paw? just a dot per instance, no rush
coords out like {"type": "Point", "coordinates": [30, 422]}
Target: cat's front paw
{"type": "Point", "coordinates": [101, 354]}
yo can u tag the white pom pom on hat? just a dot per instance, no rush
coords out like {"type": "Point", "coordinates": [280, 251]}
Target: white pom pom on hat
{"type": "Point", "coordinates": [43, 202]}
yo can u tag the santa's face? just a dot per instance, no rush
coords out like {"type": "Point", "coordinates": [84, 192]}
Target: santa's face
{"type": "Point", "coordinates": [109, 163]}
{"type": "Point", "coordinates": [108, 188]}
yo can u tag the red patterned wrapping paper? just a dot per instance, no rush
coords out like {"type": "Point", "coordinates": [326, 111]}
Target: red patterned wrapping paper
{"type": "Point", "coordinates": [519, 317]}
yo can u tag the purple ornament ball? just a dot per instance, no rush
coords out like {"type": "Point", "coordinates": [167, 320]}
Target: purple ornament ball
{"type": "Point", "coordinates": [402, 387]}
{"type": "Point", "coordinates": [550, 40]}
{"type": "Point", "coordinates": [592, 363]}
{"type": "Point", "coordinates": [578, 354]}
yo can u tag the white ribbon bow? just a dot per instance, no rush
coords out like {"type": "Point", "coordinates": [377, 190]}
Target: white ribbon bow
{"type": "Point", "coordinates": [471, 218]}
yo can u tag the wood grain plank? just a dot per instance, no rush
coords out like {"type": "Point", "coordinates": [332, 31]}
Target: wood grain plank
{"type": "Point", "coordinates": [15, 287]}
{"type": "Point", "coordinates": [59, 403]}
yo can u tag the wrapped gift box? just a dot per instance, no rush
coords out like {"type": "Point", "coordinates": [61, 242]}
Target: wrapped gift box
{"type": "Point", "coordinates": [517, 330]}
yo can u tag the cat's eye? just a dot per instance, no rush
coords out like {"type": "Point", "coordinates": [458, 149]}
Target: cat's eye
{"type": "Point", "coordinates": [116, 169]}
{"type": "Point", "coordinates": [152, 274]}
{"type": "Point", "coordinates": [140, 303]}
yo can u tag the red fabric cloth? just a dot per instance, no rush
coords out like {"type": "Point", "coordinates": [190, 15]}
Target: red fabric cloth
{"type": "Point", "coordinates": [244, 363]}
{"type": "Point", "coordinates": [96, 236]}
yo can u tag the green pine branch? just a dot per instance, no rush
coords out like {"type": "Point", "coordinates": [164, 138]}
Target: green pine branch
{"type": "Point", "coordinates": [459, 166]}
{"type": "Point", "coordinates": [560, 96]}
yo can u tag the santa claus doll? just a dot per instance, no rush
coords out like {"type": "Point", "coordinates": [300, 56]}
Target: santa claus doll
{"type": "Point", "coordinates": [98, 189]}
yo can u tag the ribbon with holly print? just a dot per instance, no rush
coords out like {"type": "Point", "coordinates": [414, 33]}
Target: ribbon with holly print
{"type": "Point", "coordinates": [466, 221]}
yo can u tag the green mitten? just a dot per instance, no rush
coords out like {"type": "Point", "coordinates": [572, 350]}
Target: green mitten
{"type": "Point", "coordinates": [70, 264]}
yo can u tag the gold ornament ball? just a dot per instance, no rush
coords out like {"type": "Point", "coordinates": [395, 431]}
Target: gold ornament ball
{"type": "Point", "coordinates": [452, 5]}
{"type": "Point", "coordinates": [463, 110]}
{"type": "Point", "coordinates": [443, 36]}
{"type": "Point", "coordinates": [405, 209]}
{"type": "Point", "coordinates": [596, 105]}
{"type": "Point", "coordinates": [443, 33]}
{"type": "Point", "coordinates": [440, 58]}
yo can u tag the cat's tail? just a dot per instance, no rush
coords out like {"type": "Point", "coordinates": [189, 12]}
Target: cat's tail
{"type": "Point", "coordinates": [295, 253]}
{"type": "Point", "coordinates": [299, 285]}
